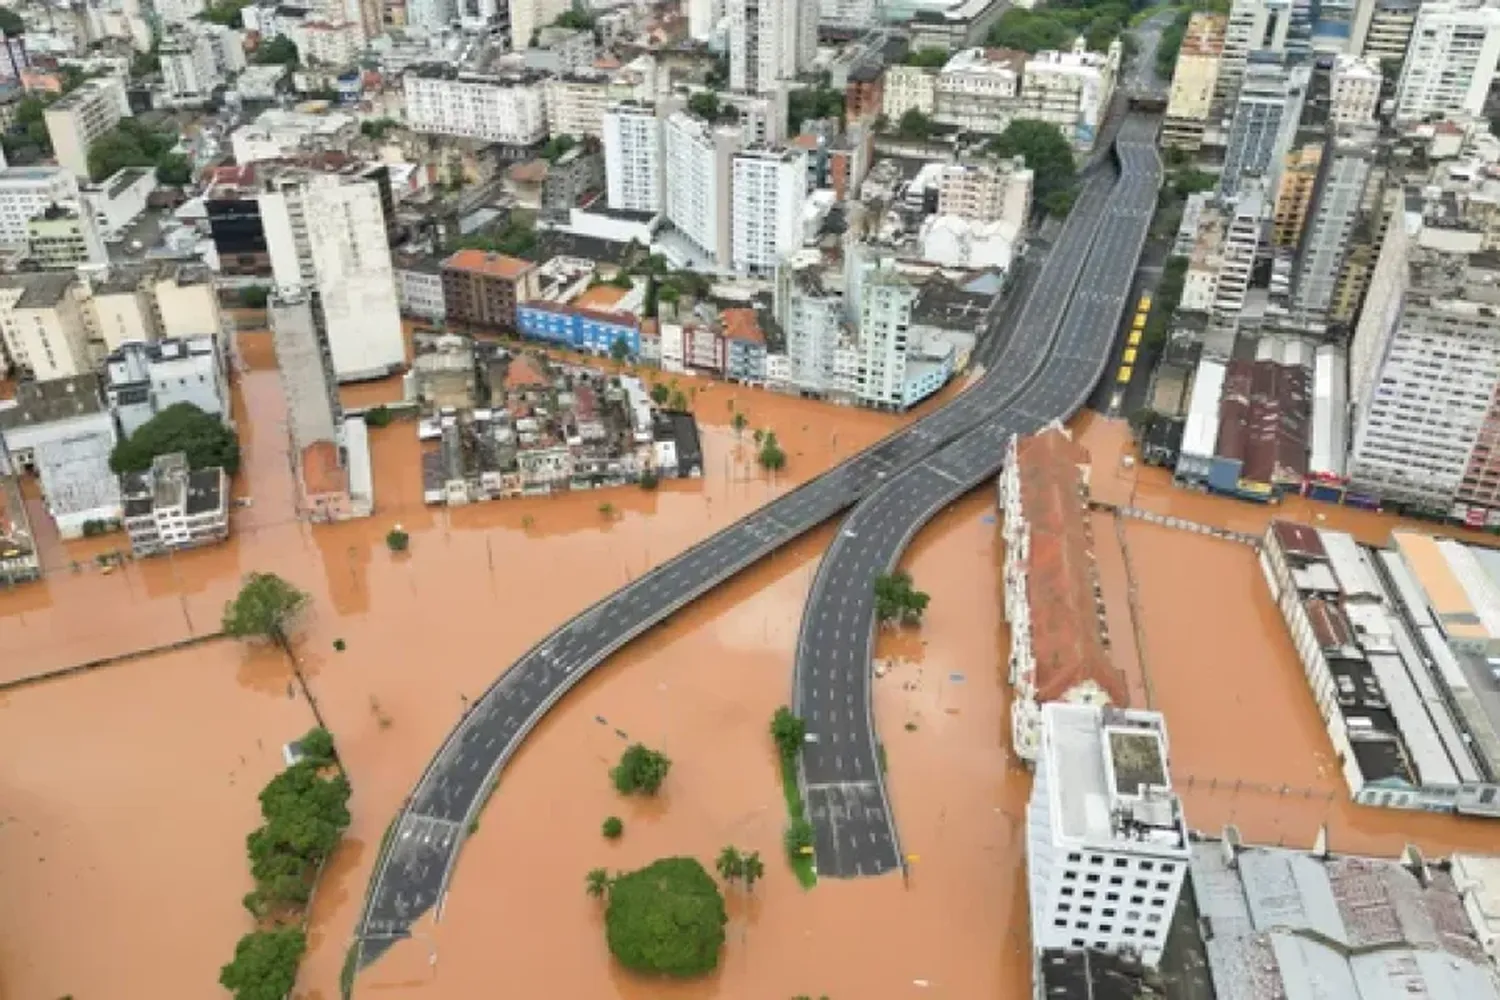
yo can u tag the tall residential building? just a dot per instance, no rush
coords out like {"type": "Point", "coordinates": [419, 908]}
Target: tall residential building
{"type": "Point", "coordinates": [65, 237]}
{"type": "Point", "coordinates": [633, 158]}
{"type": "Point", "coordinates": [326, 233]}
{"type": "Point", "coordinates": [76, 122]}
{"type": "Point", "coordinates": [26, 192]}
{"type": "Point", "coordinates": [987, 192]}
{"type": "Point", "coordinates": [1389, 33]}
{"type": "Point", "coordinates": [770, 41]}
{"type": "Point", "coordinates": [1294, 193]}
{"type": "Point", "coordinates": [430, 17]}
{"type": "Point", "coordinates": [1450, 63]}
{"type": "Point", "coordinates": [1427, 351]}
{"type": "Point", "coordinates": [909, 88]}
{"type": "Point", "coordinates": [1335, 209]}
{"type": "Point", "coordinates": [1265, 120]}
{"type": "Point", "coordinates": [812, 317]}
{"type": "Point", "coordinates": [883, 300]}
{"type": "Point", "coordinates": [1354, 90]}
{"type": "Point", "coordinates": [1194, 81]}
{"type": "Point", "coordinates": [507, 108]}
{"type": "Point", "coordinates": [704, 18]}
{"type": "Point", "coordinates": [1106, 843]}
{"type": "Point", "coordinates": [1243, 233]}
{"type": "Point", "coordinates": [527, 17]}
{"type": "Point", "coordinates": [170, 507]}
{"type": "Point", "coordinates": [698, 199]}
{"type": "Point", "coordinates": [43, 325]}
{"type": "Point", "coordinates": [1253, 26]}
{"type": "Point", "coordinates": [769, 192]}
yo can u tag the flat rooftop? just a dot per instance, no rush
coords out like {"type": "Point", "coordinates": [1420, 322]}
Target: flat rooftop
{"type": "Point", "coordinates": [1111, 783]}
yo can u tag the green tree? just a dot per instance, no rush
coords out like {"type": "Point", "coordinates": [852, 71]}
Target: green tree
{"type": "Point", "coordinates": [705, 104]}
{"type": "Point", "coordinates": [174, 169]}
{"type": "Point", "coordinates": [596, 883]}
{"type": "Point", "coordinates": [650, 480]}
{"type": "Point", "coordinates": [666, 919]}
{"type": "Point", "coordinates": [1030, 31]}
{"type": "Point", "coordinates": [897, 600]}
{"type": "Point", "coordinates": [378, 128]}
{"type": "Point", "coordinates": [226, 12]}
{"type": "Point", "coordinates": [620, 350]}
{"type": "Point", "coordinates": [660, 394]}
{"type": "Point", "coordinates": [317, 746]}
{"type": "Point", "coordinates": [264, 965]}
{"type": "Point", "coordinates": [379, 416]}
{"type": "Point", "coordinates": [556, 146]}
{"type": "Point", "coordinates": [180, 427]}
{"type": "Point", "coordinates": [11, 23]}
{"type": "Point", "coordinates": [789, 732]}
{"type": "Point", "coordinates": [928, 57]}
{"type": "Point", "coordinates": [771, 457]}
{"type": "Point", "coordinates": [1045, 150]}
{"type": "Point", "coordinates": [641, 769]}
{"type": "Point", "coordinates": [577, 19]}
{"type": "Point", "coordinates": [914, 125]}
{"type": "Point", "coordinates": [265, 608]}
{"type": "Point", "coordinates": [738, 422]}
{"type": "Point", "coordinates": [613, 827]}
{"type": "Point", "coordinates": [255, 297]}
{"type": "Point", "coordinates": [278, 51]}
{"type": "Point", "coordinates": [752, 870]}
{"type": "Point", "coordinates": [129, 144]}
{"type": "Point", "coordinates": [679, 401]}
{"type": "Point", "coordinates": [798, 837]}
{"type": "Point", "coordinates": [397, 540]}
{"type": "Point", "coordinates": [730, 864]}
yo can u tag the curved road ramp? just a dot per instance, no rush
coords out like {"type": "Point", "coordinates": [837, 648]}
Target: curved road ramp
{"type": "Point", "coordinates": [840, 775]}
{"type": "Point", "coordinates": [418, 855]}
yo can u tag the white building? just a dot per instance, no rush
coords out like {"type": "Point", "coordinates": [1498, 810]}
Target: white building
{"type": "Point", "coordinates": [189, 68]}
{"type": "Point", "coordinates": [704, 19]}
{"type": "Point", "coordinates": [25, 192]}
{"type": "Point", "coordinates": [327, 43]}
{"type": "Point", "coordinates": [633, 173]}
{"type": "Point", "coordinates": [1106, 845]}
{"type": "Point", "coordinates": [277, 134]}
{"type": "Point", "coordinates": [1354, 90]}
{"type": "Point", "coordinates": [1450, 63]}
{"type": "Point", "coordinates": [171, 508]}
{"type": "Point", "coordinates": [979, 90]}
{"type": "Point", "coordinates": [987, 192]}
{"type": "Point", "coordinates": [769, 189]}
{"type": "Point", "coordinates": [697, 198]}
{"type": "Point", "coordinates": [430, 17]}
{"type": "Point", "coordinates": [1265, 119]}
{"type": "Point", "coordinates": [61, 430]}
{"type": "Point", "coordinates": [770, 41]}
{"type": "Point", "coordinates": [884, 300]}
{"type": "Point", "coordinates": [1071, 90]}
{"type": "Point", "coordinates": [576, 103]}
{"type": "Point", "coordinates": [120, 199]}
{"type": "Point", "coordinates": [1243, 232]}
{"type": "Point", "coordinates": [812, 317]}
{"type": "Point", "coordinates": [1254, 26]}
{"type": "Point", "coordinates": [419, 288]}
{"type": "Point", "coordinates": [508, 109]}
{"type": "Point", "coordinates": [909, 88]}
{"type": "Point", "coordinates": [326, 233]}
{"type": "Point", "coordinates": [76, 122]}
{"type": "Point", "coordinates": [527, 17]}
{"type": "Point", "coordinates": [142, 379]}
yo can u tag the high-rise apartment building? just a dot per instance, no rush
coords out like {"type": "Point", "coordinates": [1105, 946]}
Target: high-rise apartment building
{"type": "Point", "coordinates": [812, 316]}
{"type": "Point", "coordinates": [770, 41]}
{"type": "Point", "coordinates": [1335, 208]}
{"type": "Point", "coordinates": [1194, 81]}
{"type": "Point", "coordinates": [987, 192]}
{"type": "Point", "coordinates": [326, 233]}
{"type": "Point", "coordinates": [1254, 26]}
{"type": "Point", "coordinates": [1354, 90]}
{"type": "Point", "coordinates": [76, 122]}
{"type": "Point", "coordinates": [633, 157]}
{"type": "Point", "coordinates": [1424, 370]}
{"type": "Point", "coordinates": [698, 198]}
{"type": "Point", "coordinates": [1294, 193]}
{"type": "Point", "coordinates": [883, 301]}
{"type": "Point", "coordinates": [1390, 31]}
{"type": "Point", "coordinates": [1243, 234]}
{"type": "Point", "coordinates": [769, 192]}
{"type": "Point", "coordinates": [1106, 844]}
{"type": "Point", "coordinates": [507, 108]}
{"type": "Point", "coordinates": [1451, 60]}
{"type": "Point", "coordinates": [1266, 114]}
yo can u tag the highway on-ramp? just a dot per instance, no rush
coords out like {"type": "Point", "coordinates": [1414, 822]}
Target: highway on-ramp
{"type": "Point", "coordinates": [841, 776]}
{"type": "Point", "coordinates": [418, 855]}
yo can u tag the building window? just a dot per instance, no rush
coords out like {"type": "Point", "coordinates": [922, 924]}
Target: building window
{"type": "Point", "coordinates": [1121, 862]}
{"type": "Point", "coordinates": [1116, 880]}
{"type": "Point", "coordinates": [1093, 877]}
{"type": "Point", "coordinates": [1146, 866]}
{"type": "Point", "coordinates": [1063, 924]}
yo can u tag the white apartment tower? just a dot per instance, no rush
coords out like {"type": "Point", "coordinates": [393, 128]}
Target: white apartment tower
{"type": "Point", "coordinates": [812, 315]}
{"type": "Point", "coordinates": [884, 303]}
{"type": "Point", "coordinates": [1243, 234]}
{"type": "Point", "coordinates": [1354, 87]}
{"type": "Point", "coordinates": [1254, 26]}
{"type": "Point", "coordinates": [76, 122]}
{"type": "Point", "coordinates": [1265, 120]}
{"type": "Point", "coordinates": [326, 234]}
{"type": "Point", "coordinates": [769, 42]}
{"type": "Point", "coordinates": [1450, 62]}
{"type": "Point", "coordinates": [508, 109]}
{"type": "Point", "coordinates": [633, 158]}
{"type": "Point", "coordinates": [1106, 845]}
{"type": "Point", "coordinates": [769, 189]}
{"type": "Point", "coordinates": [1337, 196]}
{"type": "Point", "coordinates": [698, 199]}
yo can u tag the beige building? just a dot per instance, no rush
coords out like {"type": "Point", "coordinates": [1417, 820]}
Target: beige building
{"type": "Point", "coordinates": [1354, 90]}
{"type": "Point", "coordinates": [1193, 81]}
{"type": "Point", "coordinates": [979, 89]}
{"type": "Point", "coordinates": [62, 237]}
{"type": "Point", "coordinates": [909, 88]}
{"type": "Point", "coordinates": [1071, 90]}
{"type": "Point", "coordinates": [76, 122]}
{"type": "Point", "coordinates": [1299, 176]}
{"type": "Point", "coordinates": [151, 303]}
{"type": "Point", "coordinates": [43, 325]}
{"type": "Point", "coordinates": [576, 103]}
{"type": "Point", "coordinates": [987, 192]}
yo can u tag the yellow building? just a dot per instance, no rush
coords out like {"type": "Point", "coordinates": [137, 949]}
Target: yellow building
{"type": "Point", "coordinates": [1294, 194]}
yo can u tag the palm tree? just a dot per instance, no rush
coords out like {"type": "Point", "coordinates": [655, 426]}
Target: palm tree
{"type": "Point", "coordinates": [730, 864]}
{"type": "Point", "coordinates": [751, 869]}
{"type": "Point", "coordinates": [596, 882]}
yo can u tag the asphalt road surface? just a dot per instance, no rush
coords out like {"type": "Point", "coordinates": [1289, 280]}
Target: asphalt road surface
{"type": "Point", "coordinates": [840, 771]}
{"type": "Point", "coordinates": [421, 849]}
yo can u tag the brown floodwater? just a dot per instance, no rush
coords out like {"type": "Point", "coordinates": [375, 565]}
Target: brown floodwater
{"type": "Point", "coordinates": [427, 629]}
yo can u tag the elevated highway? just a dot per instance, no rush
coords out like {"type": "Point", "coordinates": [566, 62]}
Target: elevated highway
{"type": "Point", "coordinates": [418, 857]}
{"type": "Point", "coordinates": [840, 772]}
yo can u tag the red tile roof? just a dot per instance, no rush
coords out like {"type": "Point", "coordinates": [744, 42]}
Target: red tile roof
{"type": "Point", "coordinates": [494, 264]}
{"type": "Point", "coordinates": [1067, 628]}
{"type": "Point", "coordinates": [742, 324]}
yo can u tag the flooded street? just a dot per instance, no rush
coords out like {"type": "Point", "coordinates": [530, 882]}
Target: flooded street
{"type": "Point", "coordinates": [137, 782]}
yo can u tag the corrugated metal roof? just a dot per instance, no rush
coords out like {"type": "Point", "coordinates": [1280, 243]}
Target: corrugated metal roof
{"type": "Point", "coordinates": [1350, 565]}
{"type": "Point", "coordinates": [1328, 446]}
{"type": "Point", "coordinates": [1417, 729]}
{"type": "Point", "coordinates": [1201, 430]}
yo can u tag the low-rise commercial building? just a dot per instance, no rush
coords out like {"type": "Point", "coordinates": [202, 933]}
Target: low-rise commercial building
{"type": "Point", "coordinates": [482, 289]}
{"type": "Point", "coordinates": [120, 199]}
{"type": "Point", "coordinates": [419, 287]}
{"type": "Point", "coordinates": [170, 507]}
{"type": "Point", "coordinates": [278, 134]}
{"type": "Point", "coordinates": [61, 431]}
{"type": "Point", "coordinates": [979, 90]}
{"type": "Point", "coordinates": [143, 379]}
{"type": "Point", "coordinates": [64, 237]}
{"type": "Point", "coordinates": [909, 88]}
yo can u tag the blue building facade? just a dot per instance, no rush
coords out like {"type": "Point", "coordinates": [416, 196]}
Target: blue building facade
{"type": "Point", "coordinates": [744, 360]}
{"type": "Point", "coordinates": [579, 329]}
